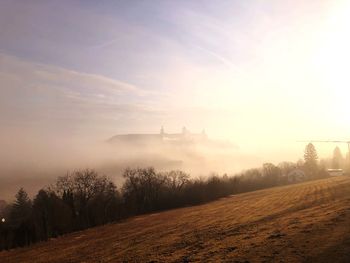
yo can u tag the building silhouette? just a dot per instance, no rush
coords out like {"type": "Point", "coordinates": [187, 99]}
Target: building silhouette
{"type": "Point", "coordinates": [185, 136]}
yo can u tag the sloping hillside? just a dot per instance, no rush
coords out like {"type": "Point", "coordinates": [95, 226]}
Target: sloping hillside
{"type": "Point", "coordinates": [305, 222]}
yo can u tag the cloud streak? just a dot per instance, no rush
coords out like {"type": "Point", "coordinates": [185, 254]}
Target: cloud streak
{"type": "Point", "coordinates": [44, 96]}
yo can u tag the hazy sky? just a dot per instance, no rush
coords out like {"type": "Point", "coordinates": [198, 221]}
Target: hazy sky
{"type": "Point", "coordinates": [263, 74]}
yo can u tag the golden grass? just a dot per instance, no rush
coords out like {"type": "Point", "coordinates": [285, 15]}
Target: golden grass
{"type": "Point", "coordinates": [304, 222]}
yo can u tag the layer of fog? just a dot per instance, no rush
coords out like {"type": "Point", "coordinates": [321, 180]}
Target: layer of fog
{"type": "Point", "coordinates": [34, 162]}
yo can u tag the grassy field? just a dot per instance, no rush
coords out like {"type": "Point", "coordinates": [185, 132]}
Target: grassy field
{"type": "Point", "coordinates": [308, 222]}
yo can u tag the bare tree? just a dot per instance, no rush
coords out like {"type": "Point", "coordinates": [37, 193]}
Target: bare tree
{"type": "Point", "coordinates": [80, 188]}
{"type": "Point", "coordinates": [177, 179]}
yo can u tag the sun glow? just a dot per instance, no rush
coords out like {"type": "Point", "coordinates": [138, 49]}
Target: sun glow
{"type": "Point", "coordinates": [331, 61]}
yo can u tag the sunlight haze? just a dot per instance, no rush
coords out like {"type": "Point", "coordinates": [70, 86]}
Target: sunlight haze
{"type": "Point", "coordinates": [174, 131]}
{"type": "Point", "coordinates": [262, 74]}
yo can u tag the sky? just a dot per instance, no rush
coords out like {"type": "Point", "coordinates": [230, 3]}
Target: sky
{"type": "Point", "coordinates": [263, 74]}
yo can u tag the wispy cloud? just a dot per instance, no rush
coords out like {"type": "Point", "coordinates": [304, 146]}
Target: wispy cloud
{"type": "Point", "coordinates": [105, 44]}
{"type": "Point", "coordinates": [66, 80]}
{"type": "Point", "coordinates": [43, 95]}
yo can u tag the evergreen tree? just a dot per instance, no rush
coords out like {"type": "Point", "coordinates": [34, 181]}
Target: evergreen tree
{"type": "Point", "coordinates": [21, 219]}
{"type": "Point", "coordinates": [347, 163]}
{"type": "Point", "coordinates": [41, 210]}
{"type": "Point", "coordinates": [21, 209]}
{"type": "Point", "coordinates": [337, 158]}
{"type": "Point", "coordinates": [311, 160]}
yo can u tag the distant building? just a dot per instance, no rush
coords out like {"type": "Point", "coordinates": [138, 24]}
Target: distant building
{"type": "Point", "coordinates": [296, 176]}
{"type": "Point", "coordinates": [184, 137]}
{"type": "Point", "coordinates": [335, 172]}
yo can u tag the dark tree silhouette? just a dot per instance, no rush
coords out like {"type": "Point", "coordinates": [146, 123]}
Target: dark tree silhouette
{"type": "Point", "coordinates": [142, 188]}
{"type": "Point", "coordinates": [84, 199]}
{"type": "Point", "coordinates": [86, 192]}
{"type": "Point", "coordinates": [21, 219]}
{"type": "Point", "coordinates": [42, 214]}
{"type": "Point", "coordinates": [176, 179]}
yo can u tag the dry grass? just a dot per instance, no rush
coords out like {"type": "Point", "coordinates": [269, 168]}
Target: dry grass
{"type": "Point", "coordinates": [305, 222]}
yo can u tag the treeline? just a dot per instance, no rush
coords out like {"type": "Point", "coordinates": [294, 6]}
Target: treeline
{"type": "Point", "coordinates": [84, 199]}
